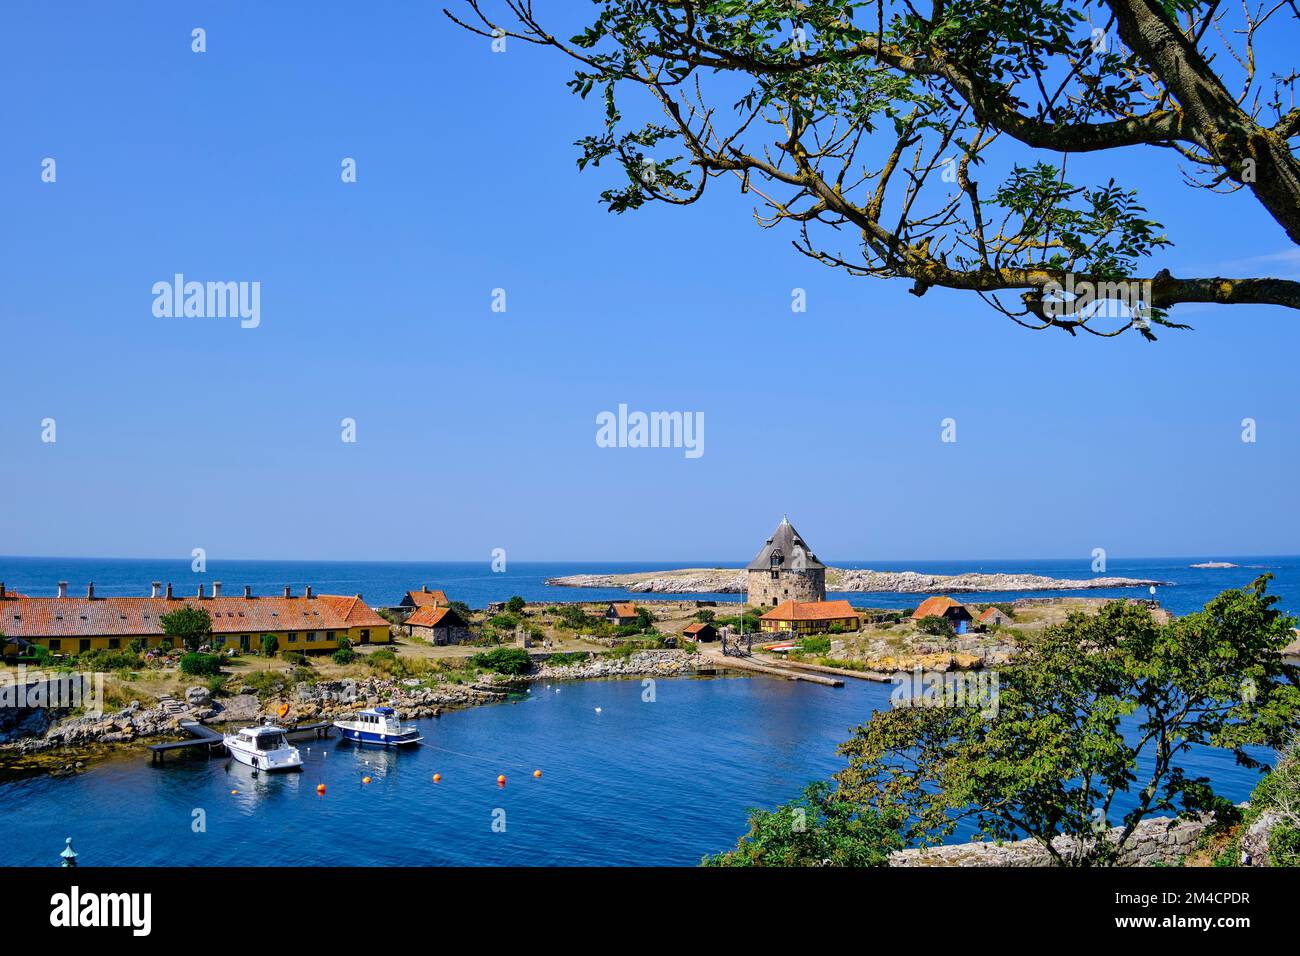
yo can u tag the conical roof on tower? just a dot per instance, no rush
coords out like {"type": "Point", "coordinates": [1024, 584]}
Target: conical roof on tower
{"type": "Point", "coordinates": [790, 547]}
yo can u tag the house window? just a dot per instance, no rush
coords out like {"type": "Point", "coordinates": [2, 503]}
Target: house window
{"type": "Point", "coordinates": [331, 636]}
{"type": "Point", "coordinates": [293, 638]}
{"type": "Point", "coordinates": [56, 645]}
{"type": "Point", "coordinates": [83, 645]}
{"type": "Point", "coordinates": [365, 635]}
{"type": "Point", "coordinates": [114, 643]}
{"type": "Point", "coordinates": [311, 637]}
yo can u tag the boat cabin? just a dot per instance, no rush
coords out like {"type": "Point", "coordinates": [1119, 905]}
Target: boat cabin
{"type": "Point", "coordinates": [264, 738]}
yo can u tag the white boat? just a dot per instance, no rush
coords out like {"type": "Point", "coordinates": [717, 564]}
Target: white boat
{"type": "Point", "coordinates": [378, 725]}
{"type": "Point", "coordinates": [264, 748]}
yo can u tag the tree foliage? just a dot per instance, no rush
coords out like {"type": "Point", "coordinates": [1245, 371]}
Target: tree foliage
{"type": "Point", "coordinates": [933, 143]}
{"type": "Point", "coordinates": [816, 829]}
{"type": "Point", "coordinates": [188, 625]}
{"type": "Point", "coordinates": [1056, 757]}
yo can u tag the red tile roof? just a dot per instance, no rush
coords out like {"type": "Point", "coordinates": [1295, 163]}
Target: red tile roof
{"type": "Point", "coordinates": [989, 612]}
{"type": "Point", "coordinates": [139, 616]}
{"type": "Point", "coordinates": [353, 611]}
{"type": "Point", "coordinates": [697, 627]}
{"type": "Point", "coordinates": [624, 609]}
{"type": "Point", "coordinates": [934, 607]}
{"type": "Point", "coordinates": [427, 598]}
{"type": "Point", "coordinates": [430, 616]}
{"type": "Point", "coordinates": [810, 611]}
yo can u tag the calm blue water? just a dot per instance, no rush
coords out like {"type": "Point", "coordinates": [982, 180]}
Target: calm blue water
{"type": "Point", "coordinates": [639, 783]}
{"type": "Point", "coordinates": [384, 583]}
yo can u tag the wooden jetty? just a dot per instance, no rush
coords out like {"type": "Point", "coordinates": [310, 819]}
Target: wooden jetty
{"type": "Point", "coordinates": [202, 735]}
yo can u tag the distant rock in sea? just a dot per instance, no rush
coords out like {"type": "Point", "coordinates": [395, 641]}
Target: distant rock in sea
{"type": "Point", "coordinates": [733, 581]}
{"type": "Point", "coordinates": [1214, 564]}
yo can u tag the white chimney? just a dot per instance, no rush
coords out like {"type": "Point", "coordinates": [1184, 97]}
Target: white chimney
{"type": "Point", "coordinates": [248, 592]}
{"type": "Point", "coordinates": [308, 592]}
{"type": "Point", "coordinates": [169, 590]}
{"type": "Point", "coordinates": [216, 589]}
{"type": "Point", "coordinates": [200, 592]}
{"type": "Point", "coordinates": [63, 589]}
{"type": "Point", "coordinates": [288, 592]}
{"type": "Point", "coordinates": [90, 591]}
{"type": "Point", "coordinates": [157, 589]}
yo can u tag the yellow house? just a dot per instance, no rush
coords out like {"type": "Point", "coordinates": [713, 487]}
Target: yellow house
{"type": "Point", "coordinates": [809, 617]}
{"type": "Point", "coordinates": [73, 625]}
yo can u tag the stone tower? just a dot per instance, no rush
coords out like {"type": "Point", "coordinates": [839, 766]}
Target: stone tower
{"type": "Point", "coordinates": [786, 569]}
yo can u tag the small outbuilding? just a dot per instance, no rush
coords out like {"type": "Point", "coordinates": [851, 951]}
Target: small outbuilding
{"type": "Point", "coordinates": [621, 612]}
{"type": "Point", "coordinates": [994, 617]}
{"type": "Point", "coordinates": [953, 612]}
{"type": "Point", "coordinates": [425, 597]}
{"type": "Point", "coordinates": [438, 625]}
{"type": "Point", "coordinates": [701, 631]}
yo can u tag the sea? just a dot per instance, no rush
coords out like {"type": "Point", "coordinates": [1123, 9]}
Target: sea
{"type": "Point", "coordinates": [382, 583]}
{"type": "Point", "coordinates": [627, 777]}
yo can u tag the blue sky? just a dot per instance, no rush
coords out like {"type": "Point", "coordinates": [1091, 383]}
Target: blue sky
{"type": "Point", "coordinates": [475, 429]}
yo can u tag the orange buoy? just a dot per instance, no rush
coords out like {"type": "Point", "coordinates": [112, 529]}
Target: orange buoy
{"type": "Point", "coordinates": [365, 779]}
{"type": "Point", "coordinates": [537, 773]}
{"type": "Point", "coordinates": [501, 780]}
{"type": "Point", "coordinates": [234, 792]}
{"type": "Point", "coordinates": [320, 788]}
{"type": "Point", "coordinates": [437, 777]}
{"type": "Point", "coordinates": [284, 709]}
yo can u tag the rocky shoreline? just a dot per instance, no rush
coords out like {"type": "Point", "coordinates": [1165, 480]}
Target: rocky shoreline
{"type": "Point", "coordinates": [733, 581]}
{"type": "Point", "coordinates": [327, 700]}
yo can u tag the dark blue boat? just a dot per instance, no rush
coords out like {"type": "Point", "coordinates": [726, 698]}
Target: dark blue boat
{"type": "Point", "coordinates": [378, 725]}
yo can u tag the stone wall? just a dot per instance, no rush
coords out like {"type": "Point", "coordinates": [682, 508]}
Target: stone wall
{"type": "Point", "coordinates": [788, 585]}
{"type": "Point", "coordinates": [1157, 840]}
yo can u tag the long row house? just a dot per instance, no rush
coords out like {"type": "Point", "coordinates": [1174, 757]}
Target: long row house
{"type": "Point", "coordinates": [73, 625]}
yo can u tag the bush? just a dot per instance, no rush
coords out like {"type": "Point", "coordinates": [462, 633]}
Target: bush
{"type": "Point", "coordinates": [705, 616]}
{"type": "Point", "coordinates": [104, 660]}
{"type": "Point", "coordinates": [935, 625]}
{"type": "Point", "coordinates": [515, 604]}
{"type": "Point", "coordinates": [815, 645]}
{"type": "Point", "coordinates": [200, 665]}
{"type": "Point", "coordinates": [296, 658]}
{"type": "Point", "coordinates": [504, 660]}
{"type": "Point", "coordinates": [265, 683]}
{"type": "Point", "coordinates": [270, 644]}
{"type": "Point", "coordinates": [344, 655]}
{"type": "Point", "coordinates": [573, 617]}
{"type": "Point", "coordinates": [564, 660]}
{"type": "Point", "coordinates": [504, 622]}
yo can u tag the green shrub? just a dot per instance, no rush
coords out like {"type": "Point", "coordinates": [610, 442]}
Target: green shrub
{"type": "Point", "coordinates": [935, 625]}
{"type": "Point", "coordinates": [504, 660]}
{"type": "Point", "coordinates": [504, 622]}
{"type": "Point", "coordinates": [296, 658]}
{"type": "Point", "coordinates": [344, 655]}
{"type": "Point", "coordinates": [266, 683]}
{"type": "Point", "coordinates": [105, 660]}
{"type": "Point", "coordinates": [564, 660]}
{"type": "Point", "coordinates": [815, 645]}
{"type": "Point", "coordinates": [515, 604]}
{"type": "Point", "coordinates": [270, 644]}
{"type": "Point", "coordinates": [200, 665]}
